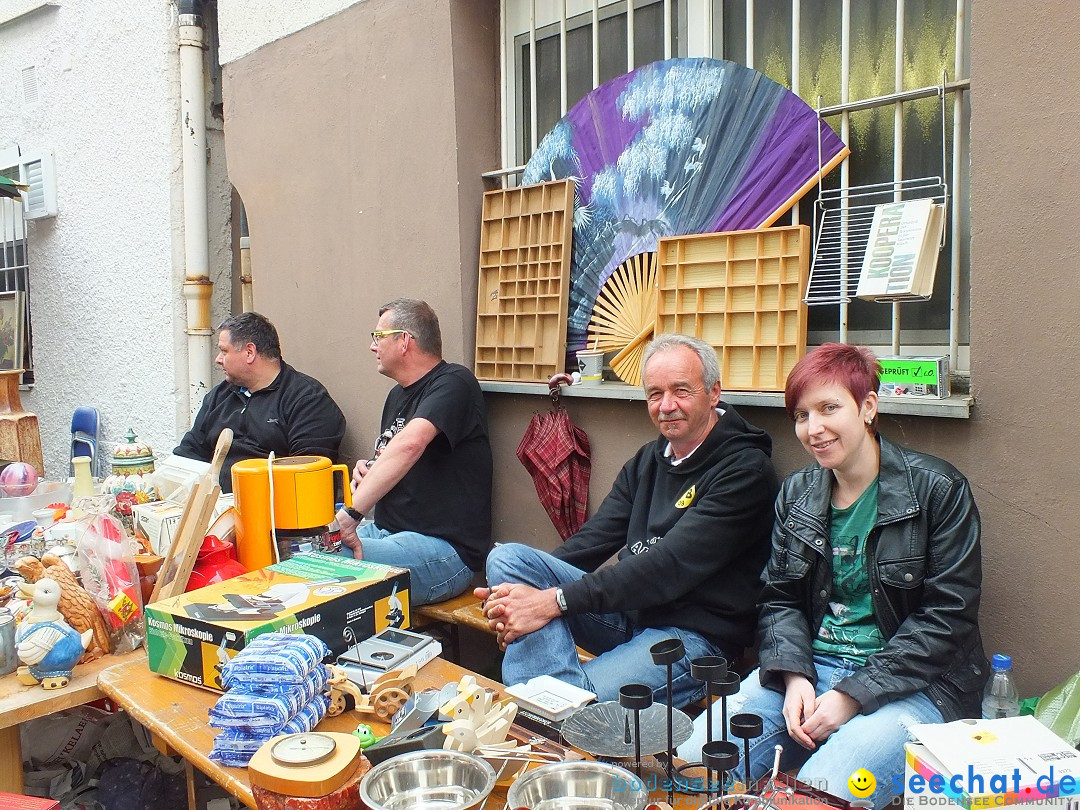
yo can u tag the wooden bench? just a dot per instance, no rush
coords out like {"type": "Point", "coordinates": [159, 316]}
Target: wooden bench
{"type": "Point", "coordinates": [462, 611]}
{"type": "Point", "coordinates": [465, 610]}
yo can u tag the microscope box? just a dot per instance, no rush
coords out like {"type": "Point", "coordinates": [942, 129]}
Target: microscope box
{"type": "Point", "coordinates": [341, 600]}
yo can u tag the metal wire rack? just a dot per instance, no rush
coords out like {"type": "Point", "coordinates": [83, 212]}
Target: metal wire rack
{"type": "Point", "coordinates": [842, 225]}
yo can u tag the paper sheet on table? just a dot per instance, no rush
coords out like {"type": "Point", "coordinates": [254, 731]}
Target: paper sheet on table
{"type": "Point", "coordinates": [998, 747]}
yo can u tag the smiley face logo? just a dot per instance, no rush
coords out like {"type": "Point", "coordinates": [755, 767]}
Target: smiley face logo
{"type": "Point", "coordinates": [861, 783]}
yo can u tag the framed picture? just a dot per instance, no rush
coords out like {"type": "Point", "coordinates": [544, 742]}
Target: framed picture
{"type": "Point", "coordinates": [12, 329]}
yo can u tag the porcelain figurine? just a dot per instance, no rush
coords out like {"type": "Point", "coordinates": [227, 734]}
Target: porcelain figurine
{"type": "Point", "coordinates": [131, 481]}
{"type": "Point", "coordinates": [47, 645]}
{"type": "Point", "coordinates": [76, 606]}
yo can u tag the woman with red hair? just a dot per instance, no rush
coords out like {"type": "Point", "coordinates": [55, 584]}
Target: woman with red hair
{"type": "Point", "coordinates": [869, 614]}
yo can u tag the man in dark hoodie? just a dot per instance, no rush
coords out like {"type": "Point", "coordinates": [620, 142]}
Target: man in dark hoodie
{"type": "Point", "coordinates": [690, 516]}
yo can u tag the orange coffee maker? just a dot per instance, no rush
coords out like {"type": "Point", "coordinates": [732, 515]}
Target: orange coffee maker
{"type": "Point", "coordinates": [303, 502]}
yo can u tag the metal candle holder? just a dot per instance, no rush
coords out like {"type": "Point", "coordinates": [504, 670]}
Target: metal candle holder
{"type": "Point", "coordinates": [721, 756]}
{"type": "Point", "coordinates": [725, 688]}
{"type": "Point", "coordinates": [746, 727]}
{"type": "Point", "coordinates": [711, 669]}
{"type": "Point", "coordinates": [665, 653]}
{"type": "Point", "coordinates": [636, 696]}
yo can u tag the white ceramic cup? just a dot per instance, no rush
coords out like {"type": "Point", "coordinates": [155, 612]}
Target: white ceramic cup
{"type": "Point", "coordinates": [44, 517]}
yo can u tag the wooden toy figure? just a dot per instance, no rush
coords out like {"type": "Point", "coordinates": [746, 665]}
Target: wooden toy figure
{"type": "Point", "coordinates": [48, 645]}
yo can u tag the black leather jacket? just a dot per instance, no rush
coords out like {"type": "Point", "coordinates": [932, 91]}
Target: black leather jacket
{"type": "Point", "coordinates": [925, 571]}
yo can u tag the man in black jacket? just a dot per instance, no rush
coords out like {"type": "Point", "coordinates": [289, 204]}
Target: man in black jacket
{"type": "Point", "coordinates": [690, 516]}
{"type": "Point", "coordinates": [268, 404]}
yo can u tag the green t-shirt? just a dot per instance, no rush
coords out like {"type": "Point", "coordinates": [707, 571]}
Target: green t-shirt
{"type": "Point", "coordinates": [848, 629]}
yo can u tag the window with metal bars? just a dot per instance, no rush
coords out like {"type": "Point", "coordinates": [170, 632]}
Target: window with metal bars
{"type": "Point", "coordinates": [14, 287]}
{"type": "Point", "coordinates": [861, 64]}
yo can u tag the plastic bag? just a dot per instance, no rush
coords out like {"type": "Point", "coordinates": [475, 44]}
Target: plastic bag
{"type": "Point", "coordinates": [239, 709]}
{"type": "Point", "coordinates": [107, 566]}
{"type": "Point", "coordinates": [1059, 710]}
{"type": "Point", "coordinates": [235, 747]}
{"type": "Point", "coordinates": [275, 660]}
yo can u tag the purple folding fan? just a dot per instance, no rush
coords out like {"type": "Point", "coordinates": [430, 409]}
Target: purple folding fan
{"type": "Point", "coordinates": [677, 147]}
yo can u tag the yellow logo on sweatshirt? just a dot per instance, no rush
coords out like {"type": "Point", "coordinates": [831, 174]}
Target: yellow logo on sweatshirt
{"type": "Point", "coordinates": [687, 498]}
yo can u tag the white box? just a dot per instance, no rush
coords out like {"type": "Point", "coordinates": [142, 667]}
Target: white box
{"type": "Point", "coordinates": [990, 763]}
{"type": "Point", "coordinates": [157, 521]}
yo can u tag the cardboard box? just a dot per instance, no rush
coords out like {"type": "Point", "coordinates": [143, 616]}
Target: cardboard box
{"type": "Point", "coordinates": [984, 764]}
{"type": "Point", "coordinates": [926, 377]}
{"type": "Point", "coordinates": [157, 521]}
{"type": "Point", "coordinates": [338, 599]}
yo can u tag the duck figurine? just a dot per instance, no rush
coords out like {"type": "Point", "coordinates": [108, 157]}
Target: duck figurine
{"type": "Point", "coordinates": [76, 606]}
{"type": "Point", "coordinates": [47, 645]}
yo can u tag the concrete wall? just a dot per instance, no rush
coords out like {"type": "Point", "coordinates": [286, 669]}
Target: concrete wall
{"type": "Point", "coordinates": [357, 146]}
{"type": "Point", "coordinates": [360, 173]}
{"type": "Point", "coordinates": [105, 273]}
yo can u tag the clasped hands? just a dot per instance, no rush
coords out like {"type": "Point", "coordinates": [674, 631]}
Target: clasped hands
{"type": "Point", "coordinates": [811, 719]}
{"type": "Point", "coordinates": [515, 610]}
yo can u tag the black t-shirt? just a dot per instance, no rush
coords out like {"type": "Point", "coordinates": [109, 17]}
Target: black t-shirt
{"type": "Point", "coordinates": [447, 493]}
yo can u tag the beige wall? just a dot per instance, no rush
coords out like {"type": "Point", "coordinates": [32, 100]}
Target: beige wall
{"type": "Point", "coordinates": [357, 146]}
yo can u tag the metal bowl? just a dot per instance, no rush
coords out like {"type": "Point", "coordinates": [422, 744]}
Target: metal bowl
{"type": "Point", "coordinates": [447, 780]}
{"type": "Point", "coordinates": [578, 786]}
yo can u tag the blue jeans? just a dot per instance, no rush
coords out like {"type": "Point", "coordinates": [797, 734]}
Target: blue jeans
{"type": "Point", "coordinates": [435, 568]}
{"type": "Point", "coordinates": [621, 649]}
{"type": "Point", "coordinates": [871, 741]}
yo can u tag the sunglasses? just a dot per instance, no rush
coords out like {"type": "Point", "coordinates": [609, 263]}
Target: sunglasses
{"type": "Point", "coordinates": [379, 334]}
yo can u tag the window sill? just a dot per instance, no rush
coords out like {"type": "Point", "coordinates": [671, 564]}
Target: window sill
{"type": "Point", "coordinates": [957, 406]}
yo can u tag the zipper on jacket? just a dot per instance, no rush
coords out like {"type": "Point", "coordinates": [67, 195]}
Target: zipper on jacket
{"type": "Point", "coordinates": [873, 577]}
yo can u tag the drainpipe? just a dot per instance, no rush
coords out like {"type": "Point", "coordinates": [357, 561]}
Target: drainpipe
{"type": "Point", "coordinates": [197, 284]}
{"type": "Point", "coordinates": [245, 274]}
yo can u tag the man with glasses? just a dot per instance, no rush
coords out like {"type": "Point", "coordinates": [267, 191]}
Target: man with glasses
{"type": "Point", "coordinates": [269, 405]}
{"type": "Point", "coordinates": [427, 485]}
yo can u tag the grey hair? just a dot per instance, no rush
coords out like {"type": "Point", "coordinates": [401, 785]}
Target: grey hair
{"type": "Point", "coordinates": [707, 354]}
{"type": "Point", "coordinates": [419, 320]}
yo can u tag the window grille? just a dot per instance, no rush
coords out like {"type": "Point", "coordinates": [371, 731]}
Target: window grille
{"type": "Point", "coordinates": [860, 64]}
{"type": "Point", "coordinates": [14, 269]}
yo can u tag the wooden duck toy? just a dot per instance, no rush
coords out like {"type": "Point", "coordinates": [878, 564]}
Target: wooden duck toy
{"type": "Point", "coordinates": [47, 645]}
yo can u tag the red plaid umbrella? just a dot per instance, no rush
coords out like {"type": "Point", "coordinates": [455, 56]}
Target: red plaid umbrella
{"type": "Point", "coordinates": [556, 453]}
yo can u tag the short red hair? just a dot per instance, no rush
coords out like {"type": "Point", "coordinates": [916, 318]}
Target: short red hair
{"type": "Point", "coordinates": [856, 368]}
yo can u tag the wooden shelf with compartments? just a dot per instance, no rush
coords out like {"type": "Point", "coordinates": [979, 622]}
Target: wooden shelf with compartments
{"type": "Point", "coordinates": [741, 292]}
{"type": "Point", "coordinates": [525, 236]}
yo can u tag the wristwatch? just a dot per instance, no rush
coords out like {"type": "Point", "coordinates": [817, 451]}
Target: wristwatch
{"type": "Point", "coordinates": [560, 600]}
{"type": "Point", "coordinates": [353, 513]}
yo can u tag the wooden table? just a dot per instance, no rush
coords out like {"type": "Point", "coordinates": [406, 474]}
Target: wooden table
{"type": "Point", "coordinates": [19, 703]}
{"type": "Point", "coordinates": [176, 715]}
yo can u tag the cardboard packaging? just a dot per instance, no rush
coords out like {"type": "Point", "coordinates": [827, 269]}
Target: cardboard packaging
{"type": "Point", "coordinates": [985, 764]}
{"type": "Point", "coordinates": [342, 601]}
{"type": "Point", "coordinates": [157, 521]}
{"type": "Point", "coordinates": [925, 377]}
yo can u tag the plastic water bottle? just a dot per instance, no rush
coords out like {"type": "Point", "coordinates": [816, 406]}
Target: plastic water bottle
{"type": "Point", "coordinates": [1000, 698]}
